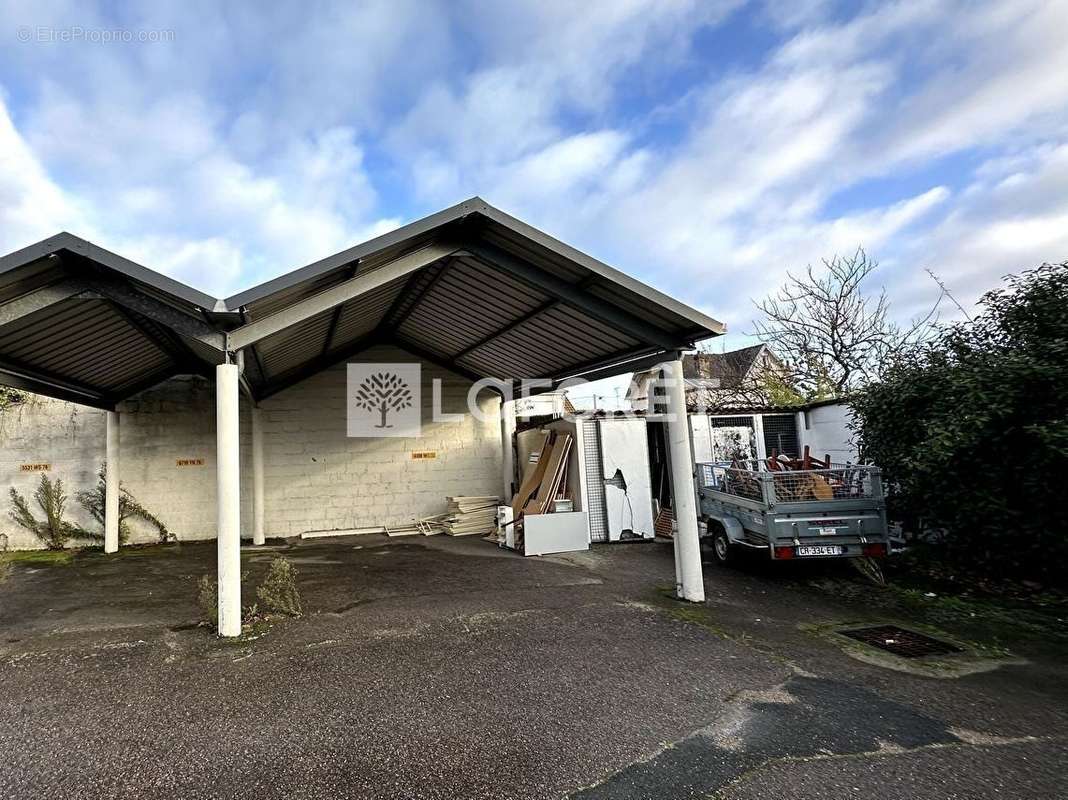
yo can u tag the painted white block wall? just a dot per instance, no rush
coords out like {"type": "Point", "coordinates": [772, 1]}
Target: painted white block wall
{"type": "Point", "coordinates": [170, 422]}
{"type": "Point", "coordinates": [825, 429]}
{"type": "Point", "coordinates": [69, 437]}
{"type": "Point", "coordinates": [316, 477]}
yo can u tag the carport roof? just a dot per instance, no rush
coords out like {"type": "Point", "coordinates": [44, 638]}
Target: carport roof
{"type": "Point", "coordinates": [470, 288]}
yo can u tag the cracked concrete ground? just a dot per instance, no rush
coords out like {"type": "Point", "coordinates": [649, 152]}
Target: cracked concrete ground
{"type": "Point", "coordinates": [448, 668]}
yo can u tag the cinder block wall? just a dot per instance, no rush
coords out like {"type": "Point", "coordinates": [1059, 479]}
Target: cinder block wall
{"type": "Point", "coordinates": [318, 478]}
{"type": "Point", "coordinates": [42, 431]}
{"type": "Point", "coordinates": [315, 476]}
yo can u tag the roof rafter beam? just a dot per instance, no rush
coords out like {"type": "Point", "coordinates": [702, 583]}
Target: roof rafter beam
{"type": "Point", "coordinates": [335, 295]}
{"type": "Point", "coordinates": [395, 324]}
{"type": "Point", "coordinates": [253, 370]}
{"type": "Point", "coordinates": [604, 367]}
{"type": "Point", "coordinates": [350, 273]}
{"type": "Point", "coordinates": [420, 352]}
{"type": "Point", "coordinates": [634, 363]}
{"type": "Point", "coordinates": [40, 299]}
{"type": "Point", "coordinates": [578, 299]}
{"type": "Point", "coordinates": [522, 318]}
{"type": "Point", "coordinates": [122, 292]}
{"type": "Point", "coordinates": [178, 321]}
{"type": "Point", "coordinates": [147, 382]}
{"type": "Point", "coordinates": [20, 376]}
{"type": "Point", "coordinates": [179, 351]}
{"type": "Point", "coordinates": [316, 365]}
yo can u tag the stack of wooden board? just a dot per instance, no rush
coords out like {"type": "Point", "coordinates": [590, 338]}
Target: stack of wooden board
{"type": "Point", "coordinates": [545, 483]}
{"type": "Point", "coordinates": [470, 515]}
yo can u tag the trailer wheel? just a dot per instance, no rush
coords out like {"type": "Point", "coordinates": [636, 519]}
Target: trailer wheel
{"type": "Point", "coordinates": [722, 549]}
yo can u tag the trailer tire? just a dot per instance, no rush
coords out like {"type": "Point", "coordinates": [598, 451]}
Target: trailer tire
{"type": "Point", "coordinates": [722, 549]}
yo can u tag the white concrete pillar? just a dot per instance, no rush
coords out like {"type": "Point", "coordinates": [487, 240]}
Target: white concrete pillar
{"type": "Point", "coordinates": [111, 484]}
{"type": "Point", "coordinates": [687, 545]}
{"type": "Point", "coordinates": [507, 451]}
{"type": "Point", "coordinates": [257, 476]}
{"type": "Point", "coordinates": [228, 473]}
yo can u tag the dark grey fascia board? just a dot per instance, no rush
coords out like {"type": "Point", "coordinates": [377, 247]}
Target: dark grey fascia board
{"type": "Point", "coordinates": [702, 320]}
{"type": "Point", "coordinates": [352, 254]}
{"type": "Point", "coordinates": [130, 269]}
{"type": "Point", "coordinates": [704, 324]}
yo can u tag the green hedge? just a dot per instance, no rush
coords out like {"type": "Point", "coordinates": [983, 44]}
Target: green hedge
{"type": "Point", "coordinates": [971, 432]}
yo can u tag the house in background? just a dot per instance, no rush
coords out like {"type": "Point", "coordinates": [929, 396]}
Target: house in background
{"type": "Point", "coordinates": [737, 379]}
{"type": "Point", "coordinates": [733, 417]}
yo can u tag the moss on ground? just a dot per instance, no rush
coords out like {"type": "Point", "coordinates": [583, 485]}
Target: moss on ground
{"type": "Point", "coordinates": [992, 625]}
{"type": "Point", "coordinates": [131, 551]}
{"type": "Point", "coordinates": [40, 558]}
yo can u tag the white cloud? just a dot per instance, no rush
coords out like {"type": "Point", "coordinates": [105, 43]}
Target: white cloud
{"type": "Point", "coordinates": [266, 137]}
{"type": "Point", "coordinates": [1005, 222]}
{"type": "Point", "coordinates": [32, 206]}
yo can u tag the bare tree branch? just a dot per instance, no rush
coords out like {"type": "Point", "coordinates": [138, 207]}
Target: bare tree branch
{"type": "Point", "coordinates": [831, 337]}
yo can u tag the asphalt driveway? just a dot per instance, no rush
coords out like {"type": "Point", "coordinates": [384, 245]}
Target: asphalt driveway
{"type": "Point", "coordinates": [436, 667]}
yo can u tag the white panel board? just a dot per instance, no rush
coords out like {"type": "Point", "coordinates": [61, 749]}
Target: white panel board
{"type": "Point", "coordinates": [555, 533]}
{"type": "Point", "coordinates": [701, 429]}
{"type": "Point", "coordinates": [625, 460]}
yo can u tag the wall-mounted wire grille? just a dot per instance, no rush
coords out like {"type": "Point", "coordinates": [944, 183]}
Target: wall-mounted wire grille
{"type": "Point", "coordinates": [595, 503]}
{"type": "Point", "coordinates": [780, 434]}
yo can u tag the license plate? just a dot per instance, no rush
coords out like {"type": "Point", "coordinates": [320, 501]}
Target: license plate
{"type": "Point", "coordinates": [820, 550]}
{"type": "Point", "coordinates": [827, 531]}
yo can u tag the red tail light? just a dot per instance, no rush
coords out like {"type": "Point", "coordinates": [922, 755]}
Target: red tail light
{"type": "Point", "coordinates": [784, 552]}
{"type": "Point", "coordinates": [875, 550]}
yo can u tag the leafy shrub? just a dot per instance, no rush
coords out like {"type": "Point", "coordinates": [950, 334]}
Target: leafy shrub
{"type": "Point", "coordinates": [279, 592]}
{"type": "Point", "coordinates": [54, 531]}
{"type": "Point", "coordinates": [94, 502]}
{"type": "Point", "coordinates": [971, 432]}
{"type": "Point", "coordinates": [208, 600]}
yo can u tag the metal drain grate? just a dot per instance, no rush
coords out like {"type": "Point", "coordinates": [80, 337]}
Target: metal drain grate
{"type": "Point", "coordinates": [901, 642]}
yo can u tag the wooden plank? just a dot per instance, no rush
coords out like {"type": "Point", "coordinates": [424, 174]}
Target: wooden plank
{"type": "Point", "coordinates": [533, 480]}
{"type": "Point", "coordinates": [550, 481]}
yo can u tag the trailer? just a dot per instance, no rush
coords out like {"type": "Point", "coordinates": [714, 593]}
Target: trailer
{"type": "Point", "coordinates": [836, 512]}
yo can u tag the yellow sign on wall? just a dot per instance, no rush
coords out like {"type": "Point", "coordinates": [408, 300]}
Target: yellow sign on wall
{"type": "Point", "coordinates": [36, 468]}
{"type": "Point", "coordinates": [189, 462]}
{"type": "Point", "coordinates": [421, 454]}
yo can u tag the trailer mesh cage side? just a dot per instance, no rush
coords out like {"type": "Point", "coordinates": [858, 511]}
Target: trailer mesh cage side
{"type": "Point", "coordinates": [753, 482]}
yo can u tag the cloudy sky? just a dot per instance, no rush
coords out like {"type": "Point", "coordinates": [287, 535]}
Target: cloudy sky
{"type": "Point", "coordinates": [704, 147]}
